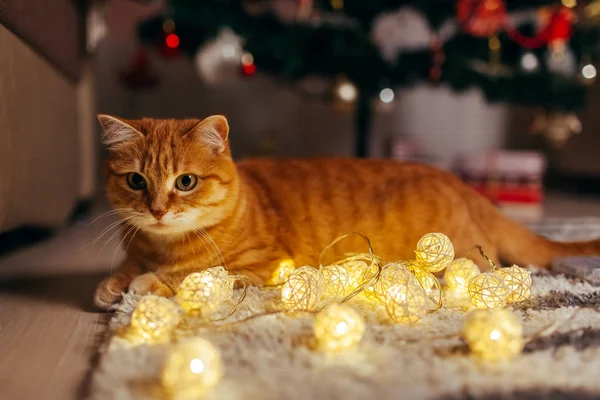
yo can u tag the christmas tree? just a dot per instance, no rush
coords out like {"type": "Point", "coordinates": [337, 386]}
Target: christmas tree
{"type": "Point", "coordinates": [528, 52]}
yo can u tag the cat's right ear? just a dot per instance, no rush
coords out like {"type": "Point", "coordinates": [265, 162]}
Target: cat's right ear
{"type": "Point", "coordinates": [212, 131]}
{"type": "Point", "coordinates": [116, 132]}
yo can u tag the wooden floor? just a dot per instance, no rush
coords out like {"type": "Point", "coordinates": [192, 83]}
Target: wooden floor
{"type": "Point", "coordinates": [49, 331]}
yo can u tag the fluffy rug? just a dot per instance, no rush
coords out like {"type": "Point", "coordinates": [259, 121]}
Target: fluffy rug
{"type": "Point", "coordinates": [271, 357]}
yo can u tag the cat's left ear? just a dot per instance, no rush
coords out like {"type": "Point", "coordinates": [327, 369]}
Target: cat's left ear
{"type": "Point", "coordinates": [116, 132]}
{"type": "Point", "coordinates": [213, 131]}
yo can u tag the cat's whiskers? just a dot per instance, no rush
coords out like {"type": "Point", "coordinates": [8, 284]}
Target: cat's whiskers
{"type": "Point", "coordinates": [113, 212]}
{"type": "Point", "coordinates": [131, 229]}
{"type": "Point", "coordinates": [202, 240]}
{"type": "Point", "coordinates": [105, 231]}
{"type": "Point", "coordinates": [189, 242]}
{"type": "Point", "coordinates": [131, 239]}
{"type": "Point", "coordinates": [210, 239]}
{"type": "Point", "coordinates": [119, 231]}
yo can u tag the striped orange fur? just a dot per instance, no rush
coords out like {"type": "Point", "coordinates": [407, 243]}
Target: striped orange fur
{"type": "Point", "coordinates": [250, 215]}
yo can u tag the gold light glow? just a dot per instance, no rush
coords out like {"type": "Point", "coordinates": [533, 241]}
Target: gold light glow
{"type": "Point", "coordinates": [459, 273]}
{"type": "Point", "coordinates": [518, 280]}
{"type": "Point", "coordinates": [335, 282]}
{"type": "Point", "coordinates": [359, 272]}
{"type": "Point", "coordinates": [406, 302]}
{"type": "Point", "coordinates": [428, 281]}
{"type": "Point", "coordinates": [338, 327]}
{"type": "Point", "coordinates": [192, 367]}
{"type": "Point", "coordinates": [493, 334]}
{"type": "Point", "coordinates": [202, 292]}
{"type": "Point", "coordinates": [434, 252]}
{"type": "Point", "coordinates": [488, 290]}
{"type": "Point", "coordinates": [154, 318]}
{"type": "Point", "coordinates": [282, 272]}
{"type": "Point", "coordinates": [392, 274]}
{"type": "Point", "coordinates": [302, 291]}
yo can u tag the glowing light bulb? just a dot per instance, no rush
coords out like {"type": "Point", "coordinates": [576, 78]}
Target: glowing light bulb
{"type": "Point", "coordinates": [459, 273]}
{"type": "Point", "coordinates": [335, 280]}
{"type": "Point", "coordinates": [493, 335]}
{"type": "Point", "coordinates": [154, 318]}
{"type": "Point", "coordinates": [359, 273]}
{"type": "Point", "coordinates": [338, 327]}
{"type": "Point", "coordinates": [589, 71]}
{"type": "Point", "coordinates": [202, 292]}
{"type": "Point", "coordinates": [347, 92]}
{"type": "Point", "coordinates": [488, 290]}
{"type": "Point", "coordinates": [302, 291]}
{"type": "Point", "coordinates": [406, 302]}
{"type": "Point", "coordinates": [529, 62]}
{"type": "Point", "coordinates": [369, 293]}
{"type": "Point", "coordinates": [392, 274]}
{"type": "Point", "coordinates": [341, 328]}
{"type": "Point", "coordinates": [386, 95]}
{"type": "Point", "coordinates": [434, 252]}
{"type": "Point", "coordinates": [518, 281]}
{"type": "Point", "coordinates": [428, 281]}
{"type": "Point", "coordinates": [282, 272]}
{"type": "Point", "coordinates": [196, 366]}
{"type": "Point", "coordinates": [192, 367]}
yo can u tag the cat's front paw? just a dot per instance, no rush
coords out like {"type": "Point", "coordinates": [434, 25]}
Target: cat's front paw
{"type": "Point", "coordinates": [109, 291]}
{"type": "Point", "coordinates": [150, 284]}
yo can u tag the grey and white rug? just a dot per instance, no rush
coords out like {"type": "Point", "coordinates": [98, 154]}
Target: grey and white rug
{"type": "Point", "coordinates": [268, 358]}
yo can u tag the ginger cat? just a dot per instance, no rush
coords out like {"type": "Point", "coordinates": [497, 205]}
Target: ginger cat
{"type": "Point", "coordinates": [188, 207]}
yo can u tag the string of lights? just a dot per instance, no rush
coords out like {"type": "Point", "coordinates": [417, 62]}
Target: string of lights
{"type": "Point", "coordinates": [330, 294]}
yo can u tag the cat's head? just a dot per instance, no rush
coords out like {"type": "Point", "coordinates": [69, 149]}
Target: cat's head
{"type": "Point", "coordinates": [169, 176]}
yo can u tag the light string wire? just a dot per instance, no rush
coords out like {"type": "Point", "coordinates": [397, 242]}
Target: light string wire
{"type": "Point", "coordinates": [489, 260]}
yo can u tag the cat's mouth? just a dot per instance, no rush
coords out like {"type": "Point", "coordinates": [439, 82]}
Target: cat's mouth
{"type": "Point", "coordinates": [167, 225]}
{"type": "Point", "coordinates": [165, 228]}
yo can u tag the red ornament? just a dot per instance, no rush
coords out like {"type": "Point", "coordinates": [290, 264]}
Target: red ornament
{"type": "Point", "coordinates": [139, 75]}
{"type": "Point", "coordinates": [172, 41]}
{"type": "Point", "coordinates": [481, 17]}
{"type": "Point", "coordinates": [170, 46]}
{"type": "Point", "coordinates": [248, 69]}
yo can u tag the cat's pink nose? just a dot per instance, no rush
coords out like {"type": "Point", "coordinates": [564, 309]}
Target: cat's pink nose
{"type": "Point", "coordinates": [158, 212]}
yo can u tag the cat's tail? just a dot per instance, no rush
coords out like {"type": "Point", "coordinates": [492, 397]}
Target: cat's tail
{"type": "Point", "coordinates": [517, 244]}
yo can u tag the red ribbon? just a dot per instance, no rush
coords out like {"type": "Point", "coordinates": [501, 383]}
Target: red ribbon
{"type": "Point", "coordinates": [559, 28]}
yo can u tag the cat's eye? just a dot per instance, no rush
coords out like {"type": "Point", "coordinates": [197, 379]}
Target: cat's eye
{"type": "Point", "coordinates": [136, 181]}
{"type": "Point", "coordinates": [186, 182]}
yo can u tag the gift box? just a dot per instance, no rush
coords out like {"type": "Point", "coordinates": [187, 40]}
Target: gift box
{"type": "Point", "coordinates": [513, 180]}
